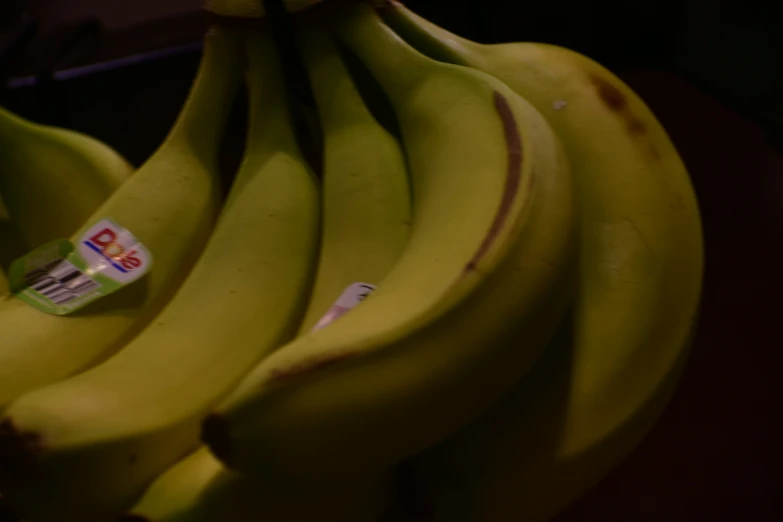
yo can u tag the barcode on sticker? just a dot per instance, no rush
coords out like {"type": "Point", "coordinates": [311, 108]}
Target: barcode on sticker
{"type": "Point", "coordinates": [348, 300]}
{"type": "Point", "coordinates": [60, 282]}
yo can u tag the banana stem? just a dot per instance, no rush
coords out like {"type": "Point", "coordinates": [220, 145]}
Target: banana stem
{"type": "Point", "coordinates": [203, 118]}
{"type": "Point", "coordinates": [270, 123]}
{"type": "Point", "coordinates": [397, 66]}
{"type": "Point", "coordinates": [422, 34]}
{"type": "Point", "coordinates": [336, 95]}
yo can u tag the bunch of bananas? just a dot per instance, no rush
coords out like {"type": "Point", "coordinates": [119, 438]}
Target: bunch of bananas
{"type": "Point", "coordinates": [490, 277]}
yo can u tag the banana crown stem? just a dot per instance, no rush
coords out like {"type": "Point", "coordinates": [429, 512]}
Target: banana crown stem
{"type": "Point", "coordinates": [395, 64]}
{"type": "Point", "coordinates": [439, 43]}
{"type": "Point", "coordinates": [205, 113]}
{"type": "Point", "coordinates": [270, 125]}
{"type": "Point", "coordinates": [336, 95]}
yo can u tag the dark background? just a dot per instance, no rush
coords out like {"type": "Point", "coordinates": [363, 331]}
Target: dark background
{"type": "Point", "coordinates": [710, 71]}
{"type": "Point", "coordinates": [728, 48]}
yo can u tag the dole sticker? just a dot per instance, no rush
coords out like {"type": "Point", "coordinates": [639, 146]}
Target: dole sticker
{"type": "Point", "coordinates": [59, 278]}
{"type": "Point", "coordinates": [113, 252]}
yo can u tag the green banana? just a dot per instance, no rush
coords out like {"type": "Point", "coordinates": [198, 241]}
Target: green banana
{"type": "Point", "coordinates": [170, 205]}
{"type": "Point", "coordinates": [201, 489]}
{"type": "Point", "coordinates": [53, 179]}
{"type": "Point", "coordinates": [367, 206]}
{"type": "Point", "coordinates": [487, 260]}
{"type": "Point", "coordinates": [111, 430]}
{"type": "Point", "coordinates": [641, 259]}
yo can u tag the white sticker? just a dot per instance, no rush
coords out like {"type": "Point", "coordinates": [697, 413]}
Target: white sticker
{"type": "Point", "coordinates": [348, 300]}
{"type": "Point", "coordinates": [113, 252]}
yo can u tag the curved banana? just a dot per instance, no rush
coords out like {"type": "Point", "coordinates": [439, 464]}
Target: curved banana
{"type": "Point", "coordinates": [169, 205]}
{"type": "Point", "coordinates": [366, 195]}
{"type": "Point", "coordinates": [111, 430]}
{"type": "Point", "coordinates": [201, 489]}
{"type": "Point", "coordinates": [53, 179]}
{"type": "Point", "coordinates": [366, 213]}
{"type": "Point", "coordinates": [641, 260]}
{"type": "Point", "coordinates": [488, 257]}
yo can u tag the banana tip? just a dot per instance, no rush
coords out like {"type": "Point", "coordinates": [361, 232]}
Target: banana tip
{"type": "Point", "coordinates": [19, 453]}
{"type": "Point", "coordinates": [215, 434]}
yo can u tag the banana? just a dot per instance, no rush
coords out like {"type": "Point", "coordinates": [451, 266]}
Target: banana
{"type": "Point", "coordinates": [600, 390]}
{"type": "Point", "coordinates": [169, 205]}
{"type": "Point", "coordinates": [201, 489]}
{"type": "Point", "coordinates": [109, 431]}
{"type": "Point", "coordinates": [367, 206]}
{"type": "Point", "coordinates": [366, 216]}
{"type": "Point", "coordinates": [488, 257]}
{"type": "Point", "coordinates": [53, 179]}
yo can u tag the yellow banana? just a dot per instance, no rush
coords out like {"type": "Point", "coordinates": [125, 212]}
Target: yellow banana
{"type": "Point", "coordinates": [488, 255]}
{"type": "Point", "coordinates": [56, 179]}
{"type": "Point", "coordinates": [111, 430]}
{"type": "Point", "coordinates": [595, 396]}
{"type": "Point", "coordinates": [53, 179]}
{"type": "Point", "coordinates": [367, 206]}
{"type": "Point", "coordinates": [366, 209]}
{"type": "Point", "coordinates": [169, 205]}
{"type": "Point", "coordinates": [201, 489]}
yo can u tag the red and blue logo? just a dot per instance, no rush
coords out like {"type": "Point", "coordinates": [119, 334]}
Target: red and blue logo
{"type": "Point", "coordinates": [113, 251]}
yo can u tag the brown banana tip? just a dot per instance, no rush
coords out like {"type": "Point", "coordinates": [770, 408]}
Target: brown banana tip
{"type": "Point", "coordinates": [19, 455]}
{"type": "Point", "coordinates": [215, 434]}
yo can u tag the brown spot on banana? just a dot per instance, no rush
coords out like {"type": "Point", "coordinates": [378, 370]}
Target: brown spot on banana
{"type": "Point", "coordinates": [609, 94]}
{"type": "Point", "coordinates": [19, 453]}
{"type": "Point", "coordinates": [513, 178]}
{"type": "Point", "coordinates": [636, 127]}
{"type": "Point", "coordinates": [617, 102]}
